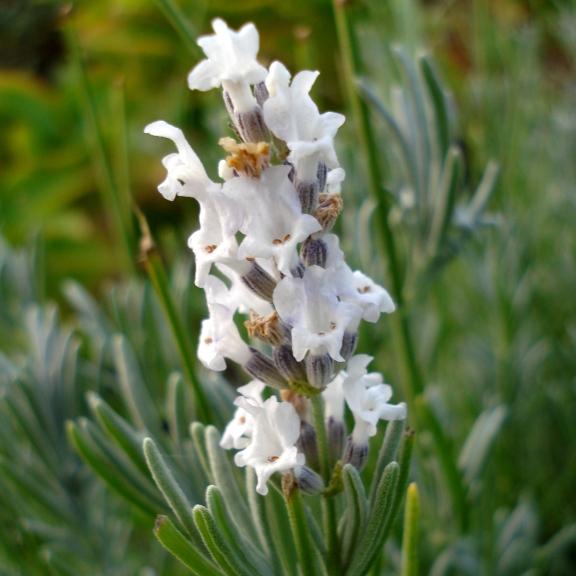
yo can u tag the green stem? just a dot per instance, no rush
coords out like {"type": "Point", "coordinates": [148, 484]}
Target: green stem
{"type": "Point", "coordinates": [157, 274]}
{"type": "Point", "coordinates": [180, 23]}
{"type": "Point", "coordinates": [411, 373]}
{"type": "Point", "coordinates": [328, 505]}
{"type": "Point", "coordinates": [300, 534]}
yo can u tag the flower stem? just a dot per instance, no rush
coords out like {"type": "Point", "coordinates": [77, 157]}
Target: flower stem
{"type": "Point", "coordinates": [329, 520]}
{"type": "Point", "coordinates": [157, 275]}
{"type": "Point", "coordinates": [411, 373]}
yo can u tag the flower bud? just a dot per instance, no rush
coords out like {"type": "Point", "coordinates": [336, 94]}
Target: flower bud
{"type": "Point", "coordinates": [263, 368]}
{"type": "Point", "coordinates": [322, 173]}
{"type": "Point", "coordinates": [319, 369]}
{"type": "Point", "coordinates": [308, 481]}
{"type": "Point", "coordinates": [298, 270]}
{"type": "Point", "coordinates": [287, 365]}
{"type": "Point", "coordinates": [349, 342]}
{"type": "Point", "coordinates": [336, 434]}
{"type": "Point", "coordinates": [307, 443]}
{"type": "Point", "coordinates": [261, 93]}
{"type": "Point", "coordinates": [259, 281]}
{"type": "Point", "coordinates": [251, 125]}
{"type": "Point", "coordinates": [355, 454]}
{"type": "Point", "coordinates": [314, 252]}
{"type": "Point", "coordinates": [308, 194]}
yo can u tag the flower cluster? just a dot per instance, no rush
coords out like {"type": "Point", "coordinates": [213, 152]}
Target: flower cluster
{"type": "Point", "coordinates": [265, 250]}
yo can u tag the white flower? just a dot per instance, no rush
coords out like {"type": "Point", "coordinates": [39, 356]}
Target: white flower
{"type": "Point", "coordinates": [359, 289]}
{"type": "Point", "coordinates": [239, 430]}
{"type": "Point", "coordinates": [294, 117]}
{"type": "Point", "coordinates": [367, 397]}
{"type": "Point", "coordinates": [273, 221]}
{"type": "Point", "coordinates": [210, 246]}
{"type": "Point", "coordinates": [311, 307]}
{"type": "Point", "coordinates": [220, 339]}
{"type": "Point", "coordinates": [231, 63]}
{"type": "Point", "coordinates": [276, 429]}
{"type": "Point", "coordinates": [186, 174]}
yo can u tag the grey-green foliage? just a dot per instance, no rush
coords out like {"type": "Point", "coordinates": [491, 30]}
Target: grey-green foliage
{"type": "Point", "coordinates": [435, 211]}
{"type": "Point", "coordinates": [217, 516]}
{"type": "Point", "coordinates": [55, 518]}
{"type": "Point", "coordinates": [182, 472]}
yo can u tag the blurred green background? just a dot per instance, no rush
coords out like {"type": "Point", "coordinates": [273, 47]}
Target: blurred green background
{"type": "Point", "coordinates": [496, 330]}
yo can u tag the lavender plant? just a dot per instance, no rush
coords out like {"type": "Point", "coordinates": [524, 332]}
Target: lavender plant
{"type": "Point", "coordinates": [265, 250]}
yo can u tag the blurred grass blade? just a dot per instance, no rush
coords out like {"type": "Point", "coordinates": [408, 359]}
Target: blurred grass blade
{"type": "Point", "coordinates": [439, 103]}
{"type": "Point", "coordinates": [356, 510]}
{"type": "Point", "coordinates": [422, 136]}
{"type": "Point", "coordinates": [410, 163]}
{"type": "Point", "coordinates": [110, 194]}
{"type": "Point", "coordinates": [134, 391]}
{"type": "Point", "coordinates": [410, 538]}
{"type": "Point", "coordinates": [181, 24]}
{"type": "Point", "coordinates": [168, 485]}
{"type": "Point", "coordinates": [177, 544]}
{"type": "Point", "coordinates": [480, 441]}
{"type": "Point", "coordinates": [484, 190]}
{"type": "Point", "coordinates": [85, 447]}
{"type": "Point", "coordinates": [220, 551]}
{"type": "Point", "coordinates": [119, 464]}
{"type": "Point", "coordinates": [445, 200]}
{"type": "Point", "coordinates": [176, 409]}
{"type": "Point", "coordinates": [119, 431]}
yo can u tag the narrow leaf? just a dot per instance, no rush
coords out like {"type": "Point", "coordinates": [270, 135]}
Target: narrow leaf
{"type": "Point", "coordinates": [477, 448]}
{"type": "Point", "coordinates": [445, 199]}
{"type": "Point", "coordinates": [185, 551]}
{"type": "Point", "coordinates": [136, 396]}
{"type": "Point", "coordinates": [380, 516]}
{"type": "Point", "coordinates": [168, 485]}
{"type": "Point", "coordinates": [411, 536]}
{"type": "Point", "coordinates": [439, 102]}
{"type": "Point", "coordinates": [387, 453]}
{"type": "Point", "coordinates": [216, 545]}
{"type": "Point", "coordinates": [356, 510]}
{"type": "Point", "coordinates": [223, 473]}
{"type": "Point", "coordinates": [119, 431]}
{"type": "Point", "coordinates": [242, 547]}
{"type": "Point", "coordinates": [90, 454]}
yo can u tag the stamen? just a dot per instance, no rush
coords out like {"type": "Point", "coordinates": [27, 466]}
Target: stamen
{"type": "Point", "coordinates": [246, 158]}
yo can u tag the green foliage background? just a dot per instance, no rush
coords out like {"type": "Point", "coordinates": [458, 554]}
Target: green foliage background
{"type": "Point", "coordinates": [495, 328]}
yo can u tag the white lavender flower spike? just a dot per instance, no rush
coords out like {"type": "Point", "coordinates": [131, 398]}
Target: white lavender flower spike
{"type": "Point", "coordinates": [264, 253]}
